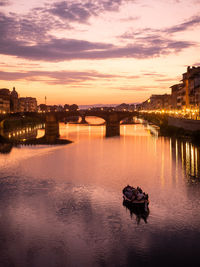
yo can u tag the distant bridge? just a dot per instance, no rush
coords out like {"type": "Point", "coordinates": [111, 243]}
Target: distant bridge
{"type": "Point", "coordinates": [112, 118]}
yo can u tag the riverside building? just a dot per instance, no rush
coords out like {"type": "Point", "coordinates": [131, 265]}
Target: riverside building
{"type": "Point", "coordinates": [27, 104]}
{"type": "Point", "coordinates": [4, 101]}
{"type": "Point", "coordinates": [10, 102]}
{"type": "Point", "coordinates": [185, 96]}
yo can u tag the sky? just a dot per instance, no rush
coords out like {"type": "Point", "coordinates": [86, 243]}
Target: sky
{"type": "Point", "coordinates": [97, 51]}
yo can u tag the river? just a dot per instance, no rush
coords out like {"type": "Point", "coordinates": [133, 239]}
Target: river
{"type": "Point", "coordinates": [62, 205]}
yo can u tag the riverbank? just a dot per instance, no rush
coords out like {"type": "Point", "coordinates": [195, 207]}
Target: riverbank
{"type": "Point", "coordinates": [45, 141]}
{"type": "Point", "coordinates": [20, 121]}
{"type": "Point", "coordinates": [171, 127]}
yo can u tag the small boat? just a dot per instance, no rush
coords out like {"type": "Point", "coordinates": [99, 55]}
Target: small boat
{"type": "Point", "coordinates": [136, 196]}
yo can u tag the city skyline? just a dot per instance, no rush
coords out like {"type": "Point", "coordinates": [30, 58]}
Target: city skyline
{"type": "Point", "coordinates": [88, 52]}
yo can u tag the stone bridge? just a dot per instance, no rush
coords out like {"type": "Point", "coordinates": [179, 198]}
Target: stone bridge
{"type": "Point", "coordinates": [112, 118]}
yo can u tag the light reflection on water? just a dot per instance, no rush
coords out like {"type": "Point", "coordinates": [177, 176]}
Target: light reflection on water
{"type": "Point", "coordinates": [62, 205]}
{"type": "Point", "coordinates": [23, 133]}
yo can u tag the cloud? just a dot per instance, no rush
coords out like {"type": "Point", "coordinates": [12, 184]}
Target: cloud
{"type": "Point", "coordinates": [196, 64]}
{"type": "Point", "coordinates": [74, 78]}
{"type": "Point", "coordinates": [142, 88]}
{"type": "Point", "coordinates": [165, 45]}
{"type": "Point", "coordinates": [81, 11]}
{"type": "Point", "coordinates": [161, 38]}
{"type": "Point", "coordinates": [56, 77]}
{"type": "Point", "coordinates": [131, 18]}
{"type": "Point", "coordinates": [4, 3]}
{"type": "Point", "coordinates": [27, 29]}
{"type": "Point", "coordinates": [167, 80]}
{"type": "Point", "coordinates": [156, 40]}
{"type": "Point", "coordinates": [194, 21]}
{"type": "Point", "coordinates": [72, 11]}
{"type": "Point", "coordinates": [155, 35]}
{"type": "Point", "coordinates": [153, 74]}
{"type": "Point", "coordinates": [133, 77]}
{"type": "Point", "coordinates": [29, 37]}
{"type": "Point", "coordinates": [69, 49]}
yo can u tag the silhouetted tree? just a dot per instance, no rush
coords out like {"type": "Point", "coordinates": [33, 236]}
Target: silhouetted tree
{"type": "Point", "coordinates": [73, 107]}
{"type": "Point", "coordinates": [66, 106]}
{"type": "Point", "coordinates": [43, 107]}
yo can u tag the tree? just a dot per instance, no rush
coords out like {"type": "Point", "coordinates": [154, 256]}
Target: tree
{"type": "Point", "coordinates": [66, 106]}
{"type": "Point", "coordinates": [43, 107]}
{"type": "Point", "coordinates": [73, 107]}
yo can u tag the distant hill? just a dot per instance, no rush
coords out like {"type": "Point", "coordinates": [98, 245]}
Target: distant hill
{"type": "Point", "coordinates": [102, 105]}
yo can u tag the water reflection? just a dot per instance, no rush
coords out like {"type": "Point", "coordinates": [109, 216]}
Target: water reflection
{"type": "Point", "coordinates": [137, 212]}
{"type": "Point", "coordinates": [24, 133]}
{"type": "Point", "coordinates": [11, 138]}
{"type": "Point", "coordinates": [5, 148]}
{"type": "Point", "coordinates": [188, 155]}
{"type": "Point", "coordinates": [62, 206]}
{"type": "Point", "coordinates": [42, 134]}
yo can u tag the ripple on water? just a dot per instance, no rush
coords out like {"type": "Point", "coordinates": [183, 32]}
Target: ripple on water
{"type": "Point", "coordinates": [64, 206]}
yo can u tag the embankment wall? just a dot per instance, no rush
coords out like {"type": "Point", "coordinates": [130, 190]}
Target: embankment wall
{"type": "Point", "coordinates": [190, 125]}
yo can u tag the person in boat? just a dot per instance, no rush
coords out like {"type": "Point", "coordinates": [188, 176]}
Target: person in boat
{"type": "Point", "coordinates": [134, 193]}
{"type": "Point", "coordinates": [137, 194]}
{"type": "Point", "coordinates": [139, 190]}
{"type": "Point", "coordinates": [128, 192]}
{"type": "Point", "coordinates": [140, 196]}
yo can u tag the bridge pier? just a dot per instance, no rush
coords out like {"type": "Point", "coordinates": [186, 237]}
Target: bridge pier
{"type": "Point", "coordinates": [51, 128]}
{"type": "Point", "coordinates": [112, 125]}
{"type": "Point", "coordinates": [83, 120]}
{"type": "Point", "coordinates": [112, 119]}
{"type": "Point", "coordinates": [112, 129]}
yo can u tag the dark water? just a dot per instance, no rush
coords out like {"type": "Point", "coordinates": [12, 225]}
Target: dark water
{"type": "Point", "coordinates": [62, 205]}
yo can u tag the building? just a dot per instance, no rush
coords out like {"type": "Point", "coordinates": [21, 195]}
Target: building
{"type": "Point", "coordinates": [14, 101]}
{"type": "Point", "coordinates": [32, 104]}
{"type": "Point", "coordinates": [191, 83]}
{"type": "Point", "coordinates": [122, 107]}
{"type": "Point", "coordinates": [194, 88]}
{"type": "Point", "coordinates": [167, 101]}
{"type": "Point", "coordinates": [184, 96]}
{"type": "Point", "coordinates": [178, 96]}
{"type": "Point", "coordinates": [10, 102]}
{"type": "Point", "coordinates": [22, 104]}
{"type": "Point", "coordinates": [4, 100]}
{"type": "Point", "coordinates": [27, 104]}
{"type": "Point", "coordinates": [174, 94]}
{"type": "Point", "coordinates": [157, 102]}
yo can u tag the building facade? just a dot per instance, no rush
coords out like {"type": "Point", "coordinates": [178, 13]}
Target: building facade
{"type": "Point", "coordinates": [4, 101]}
{"type": "Point", "coordinates": [14, 101]}
{"type": "Point", "coordinates": [157, 102]}
{"type": "Point", "coordinates": [191, 83]}
{"type": "Point", "coordinates": [27, 104]}
{"type": "Point", "coordinates": [185, 96]}
{"type": "Point", "coordinates": [11, 103]}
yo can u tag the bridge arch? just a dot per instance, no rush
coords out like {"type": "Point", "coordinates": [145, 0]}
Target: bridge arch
{"type": "Point", "coordinates": [130, 119]}
{"type": "Point", "coordinates": [112, 118]}
{"type": "Point", "coordinates": [2, 123]}
{"type": "Point", "coordinates": [93, 120]}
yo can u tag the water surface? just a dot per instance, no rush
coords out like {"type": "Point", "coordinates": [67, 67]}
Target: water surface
{"type": "Point", "coordinates": [62, 205]}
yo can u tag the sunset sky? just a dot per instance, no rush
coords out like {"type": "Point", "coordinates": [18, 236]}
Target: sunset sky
{"type": "Point", "coordinates": [97, 51]}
